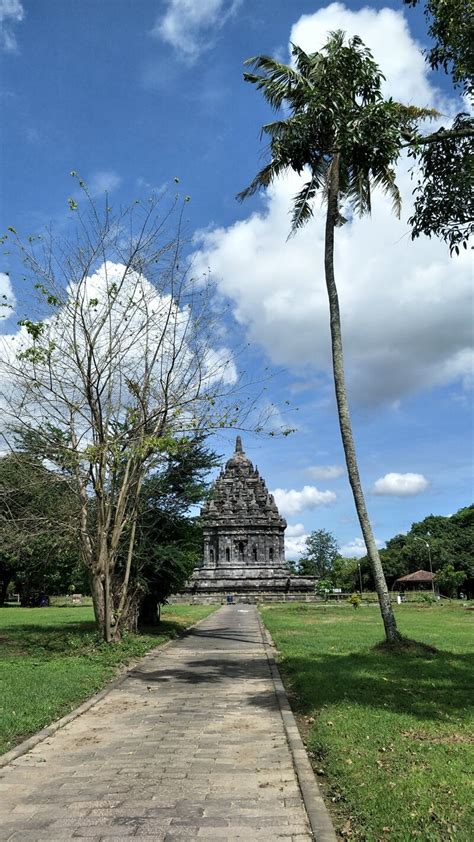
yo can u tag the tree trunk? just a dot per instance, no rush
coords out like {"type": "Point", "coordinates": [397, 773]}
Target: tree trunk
{"type": "Point", "coordinates": [4, 582]}
{"type": "Point", "coordinates": [391, 632]}
{"type": "Point", "coordinates": [97, 593]}
{"type": "Point", "coordinates": [149, 613]}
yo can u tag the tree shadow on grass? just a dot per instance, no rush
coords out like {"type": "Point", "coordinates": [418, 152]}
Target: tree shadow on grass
{"type": "Point", "coordinates": [73, 637]}
{"type": "Point", "coordinates": [429, 687]}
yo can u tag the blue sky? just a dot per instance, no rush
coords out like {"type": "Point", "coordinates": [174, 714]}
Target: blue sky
{"type": "Point", "coordinates": [131, 93]}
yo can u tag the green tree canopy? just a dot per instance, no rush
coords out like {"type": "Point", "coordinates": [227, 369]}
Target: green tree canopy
{"type": "Point", "coordinates": [451, 545]}
{"type": "Point", "coordinates": [169, 542]}
{"type": "Point", "coordinates": [321, 553]}
{"type": "Point", "coordinates": [451, 27]}
{"type": "Point", "coordinates": [38, 529]}
{"type": "Point", "coordinates": [444, 204]}
{"type": "Point", "coordinates": [345, 574]}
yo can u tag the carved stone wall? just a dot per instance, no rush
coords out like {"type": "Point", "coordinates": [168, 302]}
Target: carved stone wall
{"type": "Point", "coordinates": [244, 534]}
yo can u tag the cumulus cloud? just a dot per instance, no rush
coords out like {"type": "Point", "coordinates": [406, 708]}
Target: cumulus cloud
{"type": "Point", "coordinates": [138, 330]}
{"type": "Point", "coordinates": [11, 13]}
{"type": "Point", "coordinates": [325, 471]}
{"type": "Point", "coordinates": [295, 531]}
{"type": "Point", "coordinates": [357, 548]}
{"type": "Point", "coordinates": [295, 540]}
{"type": "Point", "coordinates": [387, 34]}
{"type": "Point", "coordinates": [405, 305]}
{"type": "Point", "coordinates": [7, 298]}
{"type": "Point", "coordinates": [400, 485]}
{"type": "Point", "coordinates": [290, 502]}
{"type": "Point", "coordinates": [189, 26]}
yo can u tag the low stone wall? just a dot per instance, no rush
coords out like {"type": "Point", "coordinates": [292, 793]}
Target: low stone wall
{"type": "Point", "coordinates": [243, 598]}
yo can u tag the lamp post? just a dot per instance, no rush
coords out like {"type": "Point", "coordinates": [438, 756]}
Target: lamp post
{"type": "Point", "coordinates": [360, 578]}
{"type": "Point", "coordinates": [415, 538]}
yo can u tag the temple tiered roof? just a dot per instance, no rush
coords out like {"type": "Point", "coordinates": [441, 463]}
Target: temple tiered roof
{"type": "Point", "coordinates": [241, 495]}
{"type": "Point", "coordinates": [244, 537]}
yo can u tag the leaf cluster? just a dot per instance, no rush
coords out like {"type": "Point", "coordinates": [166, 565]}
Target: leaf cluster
{"type": "Point", "coordinates": [444, 196]}
{"type": "Point", "coordinates": [451, 26]}
{"type": "Point", "coordinates": [321, 552]}
{"type": "Point", "coordinates": [336, 107]}
{"type": "Point", "coordinates": [34, 502]}
{"type": "Point", "coordinates": [169, 542]}
{"type": "Point", "coordinates": [451, 542]}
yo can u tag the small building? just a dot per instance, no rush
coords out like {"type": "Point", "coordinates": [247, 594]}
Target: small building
{"type": "Point", "coordinates": [420, 580]}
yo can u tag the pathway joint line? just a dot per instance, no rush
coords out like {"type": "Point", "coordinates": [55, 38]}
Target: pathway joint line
{"type": "Point", "coordinates": [318, 814]}
{"type": "Point", "coordinates": [26, 745]}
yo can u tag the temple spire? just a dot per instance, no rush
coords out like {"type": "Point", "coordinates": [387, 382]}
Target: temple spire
{"type": "Point", "coordinates": [238, 445]}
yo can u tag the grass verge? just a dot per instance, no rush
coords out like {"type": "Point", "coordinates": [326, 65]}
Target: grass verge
{"type": "Point", "coordinates": [390, 734]}
{"type": "Point", "coordinates": [51, 659]}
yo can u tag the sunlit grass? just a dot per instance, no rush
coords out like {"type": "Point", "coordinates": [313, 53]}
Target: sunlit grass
{"type": "Point", "coordinates": [390, 735]}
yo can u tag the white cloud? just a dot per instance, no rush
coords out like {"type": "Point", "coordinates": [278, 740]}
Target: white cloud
{"type": "Point", "coordinates": [11, 12]}
{"type": "Point", "coordinates": [387, 34]}
{"type": "Point", "coordinates": [138, 328]}
{"type": "Point", "coordinates": [7, 298]}
{"type": "Point", "coordinates": [405, 305]}
{"type": "Point", "coordinates": [357, 548]}
{"type": "Point", "coordinates": [291, 502]}
{"type": "Point", "coordinates": [295, 540]}
{"type": "Point", "coordinates": [400, 485]}
{"type": "Point", "coordinates": [189, 26]}
{"type": "Point", "coordinates": [325, 471]}
{"type": "Point", "coordinates": [103, 181]}
{"type": "Point", "coordinates": [295, 531]}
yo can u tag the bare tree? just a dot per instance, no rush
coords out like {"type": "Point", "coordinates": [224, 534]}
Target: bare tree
{"type": "Point", "coordinates": [124, 365]}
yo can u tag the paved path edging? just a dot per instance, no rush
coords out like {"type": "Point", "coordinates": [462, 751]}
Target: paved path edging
{"type": "Point", "coordinates": [318, 815]}
{"type": "Point", "coordinates": [26, 745]}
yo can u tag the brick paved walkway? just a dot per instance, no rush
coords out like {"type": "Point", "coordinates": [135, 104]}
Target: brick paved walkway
{"type": "Point", "coordinates": [190, 746]}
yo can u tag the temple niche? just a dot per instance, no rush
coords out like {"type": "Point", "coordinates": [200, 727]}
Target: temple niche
{"type": "Point", "coordinates": [244, 535]}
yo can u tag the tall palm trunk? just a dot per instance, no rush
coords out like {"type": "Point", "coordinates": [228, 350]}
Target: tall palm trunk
{"type": "Point", "coordinates": [391, 632]}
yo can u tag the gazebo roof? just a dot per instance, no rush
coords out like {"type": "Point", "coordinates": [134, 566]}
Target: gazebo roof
{"type": "Point", "coordinates": [418, 576]}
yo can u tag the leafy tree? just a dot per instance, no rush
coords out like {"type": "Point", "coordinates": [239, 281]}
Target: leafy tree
{"type": "Point", "coordinates": [450, 540]}
{"type": "Point", "coordinates": [38, 534]}
{"type": "Point", "coordinates": [323, 587]}
{"type": "Point", "coordinates": [346, 138]}
{"type": "Point", "coordinates": [451, 26]}
{"type": "Point", "coordinates": [321, 553]}
{"type": "Point", "coordinates": [444, 204]}
{"type": "Point", "coordinates": [121, 371]}
{"type": "Point", "coordinates": [294, 567]}
{"type": "Point", "coordinates": [345, 574]}
{"type": "Point", "coordinates": [169, 542]}
{"type": "Point", "coordinates": [450, 580]}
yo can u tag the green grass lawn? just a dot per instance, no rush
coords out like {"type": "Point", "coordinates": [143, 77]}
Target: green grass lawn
{"type": "Point", "coordinates": [51, 659]}
{"type": "Point", "coordinates": [390, 735]}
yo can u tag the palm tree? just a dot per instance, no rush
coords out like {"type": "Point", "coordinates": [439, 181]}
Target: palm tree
{"type": "Point", "coordinates": [346, 138]}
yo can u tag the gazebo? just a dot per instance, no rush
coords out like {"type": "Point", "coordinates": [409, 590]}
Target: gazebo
{"type": "Point", "coordinates": [418, 580]}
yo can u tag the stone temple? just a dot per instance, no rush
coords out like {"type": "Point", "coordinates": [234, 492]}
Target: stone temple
{"type": "Point", "coordinates": [244, 537]}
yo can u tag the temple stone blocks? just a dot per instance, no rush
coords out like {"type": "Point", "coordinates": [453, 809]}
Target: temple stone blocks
{"type": "Point", "coordinates": [244, 536]}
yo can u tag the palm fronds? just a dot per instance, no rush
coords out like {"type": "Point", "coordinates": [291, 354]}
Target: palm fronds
{"type": "Point", "coordinates": [336, 107]}
{"type": "Point", "coordinates": [262, 180]}
{"type": "Point", "coordinates": [386, 180]}
{"type": "Point", "coordinates": [303, 205]}
{"type": "Point", "coordinates": [277, 82]}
